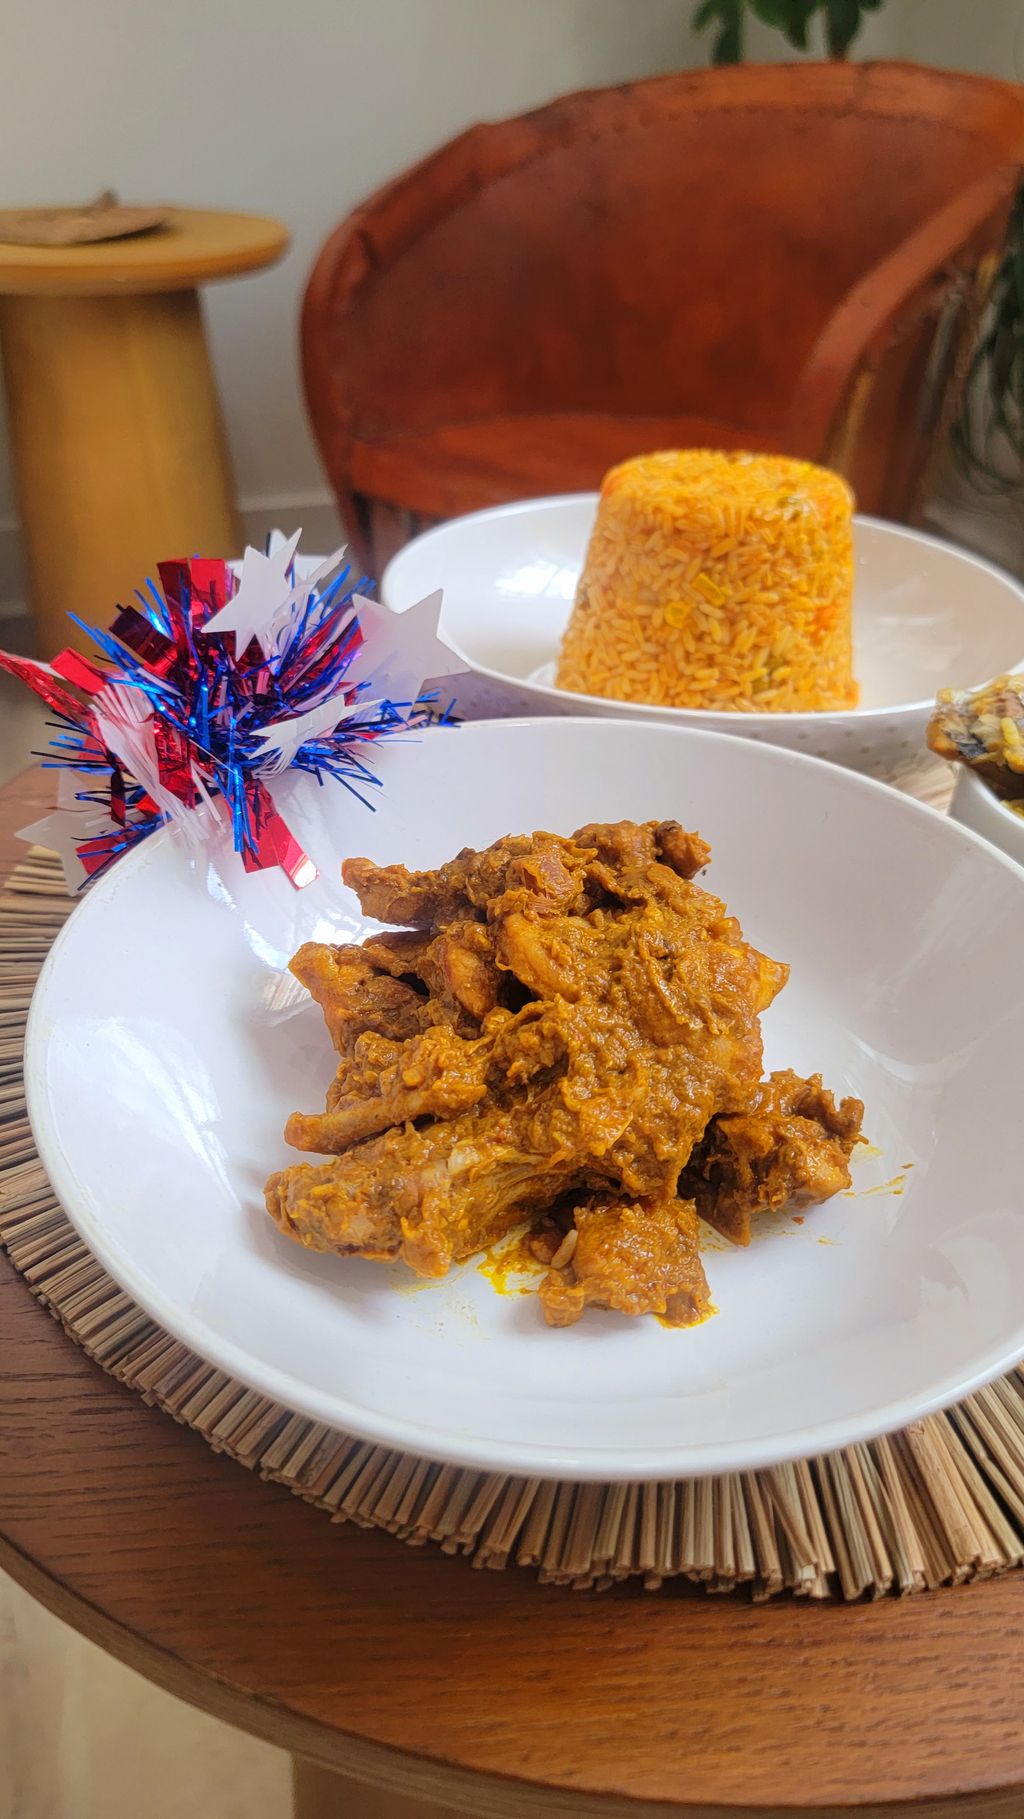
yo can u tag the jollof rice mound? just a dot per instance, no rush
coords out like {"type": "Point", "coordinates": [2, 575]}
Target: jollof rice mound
{"type": "Point", "coordinates": [717, 580]}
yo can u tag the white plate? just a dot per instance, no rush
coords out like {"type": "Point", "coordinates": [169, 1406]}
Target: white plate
{"type": "Point", "coordinates": [160, 1075]}
{"type": "Point", "coordinates": [926, 616]}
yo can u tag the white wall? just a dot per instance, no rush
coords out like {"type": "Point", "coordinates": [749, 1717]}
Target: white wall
{"type": "Point", "coordinates": [300, 109]}
{"type": "Point", "coordinates": [982, 35]}
{"type": "Point", "coordinates": [295, 108]}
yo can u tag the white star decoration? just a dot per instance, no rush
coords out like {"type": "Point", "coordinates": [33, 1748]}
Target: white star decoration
{"type": "Point", "coordinates": [401, 650]}
{"type": "Point", "coordinates": [60, 833]}
{"type": "Point", "coordinates": [70, 823]}
{"type": "Point", "coordinates": [262, 590]}
{"type": "Point", "coordinates": [310, 576]}
{"type": "Point", "coordinates": [284, 737]}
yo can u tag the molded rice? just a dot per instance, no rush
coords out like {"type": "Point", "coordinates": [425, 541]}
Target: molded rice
{"type": "Point", "coordinates": [717, 580]}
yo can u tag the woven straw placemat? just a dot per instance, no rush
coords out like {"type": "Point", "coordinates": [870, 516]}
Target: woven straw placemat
{"type": "Point", "coordinates": [941, 1502]}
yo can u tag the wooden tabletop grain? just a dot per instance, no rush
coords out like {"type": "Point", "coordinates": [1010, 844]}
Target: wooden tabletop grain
{"type": "Point", "coordinates": [483, 1690]}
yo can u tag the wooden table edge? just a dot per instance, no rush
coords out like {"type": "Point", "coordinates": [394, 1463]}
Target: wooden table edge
{"type": "Point", "coordinates": [50, 278]}
{"type": "Point", "coordinates": [413, 1777]}
{"type": "Point", "coordinates": [408, 1776]}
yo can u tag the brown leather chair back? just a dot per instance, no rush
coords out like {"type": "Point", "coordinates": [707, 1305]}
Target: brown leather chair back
{"type": "Point", "coordinates": [662, 263]}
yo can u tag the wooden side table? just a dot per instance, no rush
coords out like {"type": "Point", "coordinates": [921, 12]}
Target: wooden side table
{"type": "Point", "coordinates": [120, 457]}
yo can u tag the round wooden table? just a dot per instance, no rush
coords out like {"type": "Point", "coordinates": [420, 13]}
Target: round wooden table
{"type": "Point", "coordinates": [120, 457]}
{"type": "Point", "coordinates": [444, 1690]}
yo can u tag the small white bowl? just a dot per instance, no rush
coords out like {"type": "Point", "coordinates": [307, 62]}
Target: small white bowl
{"type": "Point", "coordinates": [978, 807]}
{"type": "Point", "coordinates": [926, 616]}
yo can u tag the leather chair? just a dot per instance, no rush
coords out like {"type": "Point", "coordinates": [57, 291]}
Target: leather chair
{"type": "Point", "coordinates": [770, 257]}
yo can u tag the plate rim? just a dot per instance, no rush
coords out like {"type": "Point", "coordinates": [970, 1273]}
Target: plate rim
{"type": "Point", "coordinates": [711, 718]}
{"type": "Point", "coordinates": [592, 1465]}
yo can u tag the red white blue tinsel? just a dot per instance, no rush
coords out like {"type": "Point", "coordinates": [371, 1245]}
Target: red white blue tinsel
{"type": "Point", "coordinates": [217, 682]}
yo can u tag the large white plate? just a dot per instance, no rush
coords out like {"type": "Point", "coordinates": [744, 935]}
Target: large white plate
{"type": "Point", "coordinates": [926, 616]}
{"type": "Point", "coordinates": [161, 1064]}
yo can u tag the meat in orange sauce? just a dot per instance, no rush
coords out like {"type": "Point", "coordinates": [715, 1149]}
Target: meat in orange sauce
{"type": "Point", "coordinates": [565, 1031]}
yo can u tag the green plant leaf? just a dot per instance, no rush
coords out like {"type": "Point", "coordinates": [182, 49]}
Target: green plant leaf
{"type": "Point", "coordinates": [790, 17]}
{"type": "Point", "coordinates": [843, 21]}
{"type": "Point", "coordinates": [727, 46]}
{"type": "Point", "coordinates": [717, 13]}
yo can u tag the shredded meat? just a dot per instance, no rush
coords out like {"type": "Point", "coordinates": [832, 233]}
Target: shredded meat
{"type": "Point", "coordinates": [355, 997]}
{"type": "Point", "coordinates": [791, 1147]}
{"type": "Point", "coordinates": [636, 1256]}
{"type": "Point", "coordinates": [561, 1029]}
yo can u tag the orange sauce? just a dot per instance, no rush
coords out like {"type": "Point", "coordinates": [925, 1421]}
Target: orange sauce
{"type": "Point", "coordinates": [510, 1266]}
{"type": "Point", "coordinates": [895, 1186]}
{"type": "Point", "coordinates": [672, 1326]}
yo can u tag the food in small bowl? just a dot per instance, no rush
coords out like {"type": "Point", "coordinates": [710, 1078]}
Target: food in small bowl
{"type": "Point", "coordinates": [982, 731]}
{"type": "Point", "coordinates": [717, 580]}
{"type": "Point", "coordinates": [983, 728]}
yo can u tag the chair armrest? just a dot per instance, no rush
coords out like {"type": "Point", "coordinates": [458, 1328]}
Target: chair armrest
{"type": "Point", "coordinates": [864, 321]}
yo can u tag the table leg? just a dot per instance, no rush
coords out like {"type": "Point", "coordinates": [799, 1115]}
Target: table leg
{"type": "Point", "coordinates": [119, 452]}
{"type": "Point", "coordinates": [321, 1794]}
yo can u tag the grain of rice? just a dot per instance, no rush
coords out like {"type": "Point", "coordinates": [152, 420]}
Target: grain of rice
{"type": "Point", "coordinates": [717, 580]}
{"type": "Point", "coordinates": [566, 1250]}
